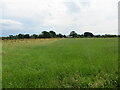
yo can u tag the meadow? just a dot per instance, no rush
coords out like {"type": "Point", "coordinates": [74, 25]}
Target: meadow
{"type": "Point", "coordinates": [60, 63]}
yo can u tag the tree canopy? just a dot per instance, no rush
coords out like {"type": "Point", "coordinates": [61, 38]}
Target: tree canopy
{"type": "Point", "coordinates": [52, 34]}
{"type": "Point", "coordinates": [73, 34]}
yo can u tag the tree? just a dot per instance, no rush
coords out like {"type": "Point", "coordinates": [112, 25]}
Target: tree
{"type": "Point", "coordinates": [80, 36]}
{"type": "Point", "coordinates": [97, 36]}
{"type": "Point", "coordinates": [34, 36]}
{"type": "Point", "coordinates": [64, 36]}
{"type": "Point", "coordinates": [52, 34]}
{"type": "Point", "coordinates": [45, 34]}
{"type": "Point", "coordinates": [73, 34]}
{"type": "Point", "coordinates": [26, 36]}
{"type": "Point", "coordinates": [108, 35]}
{"type": "Point", "coordinates": [59, 35]}
{"type": "Point", "coordinates": [40, 36]}
{"type": "Point", "coordinates": [11, 37]}
{"type": "Point", "coordinates": [88, 34]}
{"type": "Point", "coordinates": [20, 36]}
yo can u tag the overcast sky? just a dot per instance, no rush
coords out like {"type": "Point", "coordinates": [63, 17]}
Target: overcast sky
{"type": "Point", "coordinates": [61, 16]}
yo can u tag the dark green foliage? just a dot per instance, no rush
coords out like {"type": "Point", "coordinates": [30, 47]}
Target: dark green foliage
{"type": "Point", "coordinates": [34, 36]}
{"type": "Point", "coordinates": [26, 36]}
{"type": "Point", "coordinates": [97, 36]}
{"type": "Point", "coordinates": [80, 36]}
{"type": "Point", "coordinates": [46, 34]}
{"type": "Point", "coordinates": [73, 34]}
{"type": "Point", "coordinates": [64, 36]}
{"type": "Point", "coordinates": [60, 35]}
{"type": "Point", "coordinates": [88, 34]}
{"type": "Point", "coordinates": [52, 34]}
{"type": "Point", "coordinates": [20, 36]}
{"type": "Point", "coordinates": [11, 36]}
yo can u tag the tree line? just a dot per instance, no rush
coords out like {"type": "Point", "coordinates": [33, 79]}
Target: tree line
{"type": "Point", "coordinates": [52, 34]}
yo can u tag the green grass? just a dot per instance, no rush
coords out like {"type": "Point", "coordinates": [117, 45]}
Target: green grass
{"type": "Point", "coordinates": [0, 64]}
{"type": "Point", "coordinates": [60, 63]}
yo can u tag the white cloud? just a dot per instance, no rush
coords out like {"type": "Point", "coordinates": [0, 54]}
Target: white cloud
{"type": "Point", "coordinates": [10, 22]}
{"type": "Point", "coordinates": [7, 25]}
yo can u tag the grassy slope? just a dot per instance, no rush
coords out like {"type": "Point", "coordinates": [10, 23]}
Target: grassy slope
{"type": "Point", "coordinates": [64, 63]}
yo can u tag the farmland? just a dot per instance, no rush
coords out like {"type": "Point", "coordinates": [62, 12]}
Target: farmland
{"type": "Point", "coordinates": [60, 63]}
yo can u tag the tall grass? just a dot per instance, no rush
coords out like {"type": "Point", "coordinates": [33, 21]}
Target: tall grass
{"type": "Point", "coordinates": [60, 63]}
{"type": "Point", "coordinates": [0, 64]}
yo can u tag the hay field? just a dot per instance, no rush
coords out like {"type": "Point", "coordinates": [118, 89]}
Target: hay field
{"type": "Point", "coordinates": [60, 63]}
